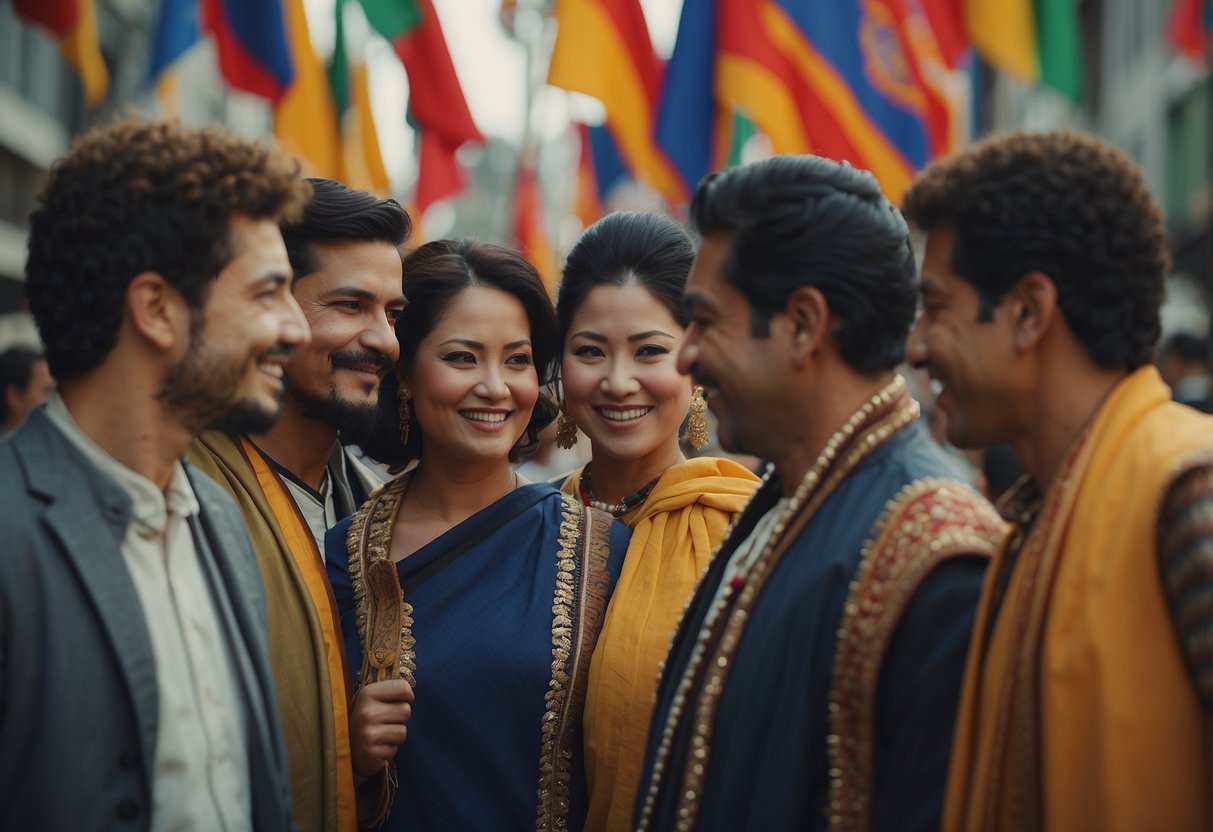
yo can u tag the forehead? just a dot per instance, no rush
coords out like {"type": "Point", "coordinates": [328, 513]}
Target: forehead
{"type": "Point", "coordinates": [371, 266]}
{"type": "Point", "coordinates": [937, 270]}
{"type": "Point", "coordinates": [256, 249]}
{"type": "Point", "coordinates": [484, 312]}
{"type": "Point", "coordinates": [631, 307]}
{"type": "Point", "coordinates": [706, 284]}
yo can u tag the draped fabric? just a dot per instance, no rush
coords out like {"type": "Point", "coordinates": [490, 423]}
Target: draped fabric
{"type": "Point", "coordinates": [1078, 711]}
{"type": "Point", "coordinates": [674, 534]}
{"type": "Point", "coordinates": [739, 738]}
{"type": "Point", "coordinates": [305, 649]}
{"type": "Point", "coordinates": [484, 598]}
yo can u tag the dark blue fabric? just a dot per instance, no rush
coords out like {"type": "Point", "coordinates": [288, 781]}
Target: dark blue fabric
{"type": "Point", "coordinates": [483, 625]}
{"type": "Point", "coordinates": [769, 767]}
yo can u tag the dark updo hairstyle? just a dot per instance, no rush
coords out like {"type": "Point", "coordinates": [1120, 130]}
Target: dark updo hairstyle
{"type": "Point", "coordinates": [434, 275]}
{"type": "Point", "coordinates": [627, 247]}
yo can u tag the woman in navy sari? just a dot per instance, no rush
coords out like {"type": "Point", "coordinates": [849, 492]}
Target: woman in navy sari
{"type": "Point", "coordinates": [484, 591]}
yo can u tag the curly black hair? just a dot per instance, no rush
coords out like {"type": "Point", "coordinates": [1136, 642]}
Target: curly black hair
{"type": "Point", "coordinates": [1066, 204]}
{"type": "Point", "coordinates": [434, 275]}
{"type": "Point", "coordinates": [142, 196]}
{"type": "Point", "coordinates": [809, 221]}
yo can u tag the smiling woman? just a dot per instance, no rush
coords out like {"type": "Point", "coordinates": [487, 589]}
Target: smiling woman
{"type": "Point", "coordinates": [484, 591]}
{"type": "Point", "coordinates": [620, 309]}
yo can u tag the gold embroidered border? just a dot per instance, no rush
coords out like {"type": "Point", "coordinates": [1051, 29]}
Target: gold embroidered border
{"type": "Point", "coordinates": [369, 539]}
{"type": "Point", "coordinates": [929, 521]}
{"type": "Point", "coordinates": [900, 411]}
{"type": "Point", "coordinates": [553, 791]}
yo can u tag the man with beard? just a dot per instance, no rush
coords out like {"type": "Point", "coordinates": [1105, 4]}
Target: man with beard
{"type": "Point", "coordinates": [134, 683]}
{"type": "Point", "coordinates": [296, 480]}
{"type": "Point", "coordinates": [813, 679]}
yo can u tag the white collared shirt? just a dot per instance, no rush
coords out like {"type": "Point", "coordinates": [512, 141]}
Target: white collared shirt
{"type": "Point", "coordinates": [200, 775]}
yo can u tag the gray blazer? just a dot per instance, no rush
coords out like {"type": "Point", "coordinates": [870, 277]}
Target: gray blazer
{"type": "Point", "coordinates": [78, 693]}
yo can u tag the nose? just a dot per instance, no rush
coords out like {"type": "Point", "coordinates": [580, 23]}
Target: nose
{"type": "Point", "coordinates": [492, 386]}
{"type": "Point", "coordinates": [293, 326]}
{"type": "Point", "coordinates": [619, 380]}
{"type": "Point", "coordinates": [380, 336]}
{"type": "Point", "coordinates": [916, 344]}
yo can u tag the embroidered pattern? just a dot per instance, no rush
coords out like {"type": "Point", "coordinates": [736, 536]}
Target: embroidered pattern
{"type": "Point", "coordinates": [927, 522]}
{"type": "Point", "coordinates": [887, 412]}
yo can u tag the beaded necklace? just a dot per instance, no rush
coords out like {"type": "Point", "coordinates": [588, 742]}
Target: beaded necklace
{"type": "Point", "coordinates": [586, 491]}
{"type": "Point", "coordinates": [736, 597]}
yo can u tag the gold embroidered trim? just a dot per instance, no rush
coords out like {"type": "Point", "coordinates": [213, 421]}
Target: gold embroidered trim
{"type": "Point", "coordinates": [884, 414]}
{"type": "Point", "coordinates": [369, 539]}
{"type": "Point", "coordinates": [553, 792]}
{"type": "Point", "coordinates": [929, 521]}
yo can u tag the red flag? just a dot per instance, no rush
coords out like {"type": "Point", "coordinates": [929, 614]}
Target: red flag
{"type": "Point", "coordinates": [528, 226]}
{"type": "Point", "coordinates": [1186, 29]}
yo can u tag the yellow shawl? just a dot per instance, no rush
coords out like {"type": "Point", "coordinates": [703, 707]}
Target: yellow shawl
{"type": "Point", "coordinates": [305, 637]}
{"type": "Point", "coordinates": [674, 534]}
{"type": "Point", "coordinates": [1080, 714]}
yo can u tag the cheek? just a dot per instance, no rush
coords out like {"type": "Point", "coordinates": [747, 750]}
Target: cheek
{"type": "Point", "coordinates": [670, 389]}
{"type": "Point", "coordinates": [525, 390]}
{"type": "Point", "coordinates": [577, 382]}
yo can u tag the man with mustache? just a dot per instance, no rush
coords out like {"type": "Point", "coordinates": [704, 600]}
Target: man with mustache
{"type": "Point", "coordinates": [813, 679]}
{"type": "Point", "coordinates": [1089, 688]}
{"type": "Point", "coordinates": [297, 479]}
{"type": "Point", "coordinates": [134, 670]}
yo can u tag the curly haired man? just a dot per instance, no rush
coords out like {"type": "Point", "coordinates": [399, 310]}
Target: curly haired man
{"type": "Point", "coordinates": [134, 683]}
{"type": "Point", "coordinates": [1090, 679]}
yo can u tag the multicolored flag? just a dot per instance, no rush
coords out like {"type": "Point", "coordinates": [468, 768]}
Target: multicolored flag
{"type": "Point", "coordinates": [603, 50]}
{"type": "Point", "coordinates": [306, 117]}
{"type": "Point", "coordinates": [251, 39]}
{"type": "Point", "coordinates": [74, 24]}
{"type": "Point", "coordinates": [529, 231]}
{"type": "Point", "coordinates": [1189, 27]}
{"type": "Point", "coordinates": [436, 103]}
{"type": "Point", "coordinates": [177, 29]}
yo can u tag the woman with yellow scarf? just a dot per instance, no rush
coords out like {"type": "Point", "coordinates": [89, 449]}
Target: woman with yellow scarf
{"type": "Point", "coordinates": [622, 321]}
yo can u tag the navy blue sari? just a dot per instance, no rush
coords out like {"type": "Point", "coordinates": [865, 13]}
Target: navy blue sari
{"type": "Point", "coordinates": [483, 618]}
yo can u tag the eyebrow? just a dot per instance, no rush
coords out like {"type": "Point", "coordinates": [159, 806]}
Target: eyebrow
{"type": "Point", "coordinates": [589, 335]}
{"type": "Point", "coordinates": [468, 342]}
{"type": "Point", "coordinates": [693, 298]}
{"type": "Point", "coordinates": [360, 294]}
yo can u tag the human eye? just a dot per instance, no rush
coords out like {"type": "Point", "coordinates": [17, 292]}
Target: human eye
{"type": "Point", "coordinates": [652, 351]}
{"type": "Point", "coordinates": [519, 359]}
{"type": "Point", "coordinates": [393, 315]}
{"type": "Point", "coordinates": [588, 351]}
{"type": "Point", "coordinates": [459, 357]}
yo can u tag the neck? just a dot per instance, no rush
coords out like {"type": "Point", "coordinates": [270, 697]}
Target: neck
{"type": "Point", "coordinates": [298, 443]}
{"type": "Point", "coordinates": [615, 478]}
{"type": "Point", "coordinates": [1062, 405]}
{"type": "Point", "coordinates": [143, 438]}
{"type": "Point", "coordinates": [454, 492]}
{"type": "Point", "coordinates": [820, 417]}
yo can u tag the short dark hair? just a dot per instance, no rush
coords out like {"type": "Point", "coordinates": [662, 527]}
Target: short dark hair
{"type": "Point", "coordinates": [336, 213]}
{"type": "Point", "coordinates": [808, 221]}
{"type": "Point", "coordinates": [434, 275]}
{"type": "Point", "coordinates": [137, 196]}
{"type": "Point", "coordinates": [1064, 203]}
{"type": "Point", "coordinates": [16, 368]}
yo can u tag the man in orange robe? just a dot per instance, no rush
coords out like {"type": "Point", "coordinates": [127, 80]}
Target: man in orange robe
{"type": "Point", "coordinates": [1090, 680]}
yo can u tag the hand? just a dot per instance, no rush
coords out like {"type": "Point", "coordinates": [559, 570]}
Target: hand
{"type": "Point", "coordinates": [379, 724]}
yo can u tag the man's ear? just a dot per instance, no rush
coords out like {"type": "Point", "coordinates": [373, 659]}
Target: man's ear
{"type": "Point", "coordinates": [156, 310]}
{"type": "Point", "coordinates": [1032, 304]}
{"type": "Point", "coordinates": [808, 315]}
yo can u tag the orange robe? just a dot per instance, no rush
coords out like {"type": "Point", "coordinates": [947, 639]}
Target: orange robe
{"type": "Point", "coordinates": [1078, 711]}
{"type": "Point", "coordinates": [674, 534]}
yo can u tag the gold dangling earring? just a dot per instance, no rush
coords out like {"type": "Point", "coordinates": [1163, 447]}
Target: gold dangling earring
{"type": "Point", "coordinates": [697, 425]}
{"type": "Point", "coordinates": [566, 429]}
{"type": "Point", "coordinates": [404, 395]}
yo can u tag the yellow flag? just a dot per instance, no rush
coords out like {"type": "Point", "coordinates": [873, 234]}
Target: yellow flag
{"type": "Point", "coordinates": [305, 120]}
{"type": "Point", "coordinates": [1004, 32]}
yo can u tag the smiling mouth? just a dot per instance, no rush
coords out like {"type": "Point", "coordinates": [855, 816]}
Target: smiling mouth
{"type": "Point", "coordinates": [486, 416]}
{"type": "Point", "coordinates": [623, 415]}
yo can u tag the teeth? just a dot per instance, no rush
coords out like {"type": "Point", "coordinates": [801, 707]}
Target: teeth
{"type": "Point", "coordinates": [624, 415]}
{"type": "Point", "coordinates": [484, 416]}
{"type": "Point", "coordinates": [274, 370]}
